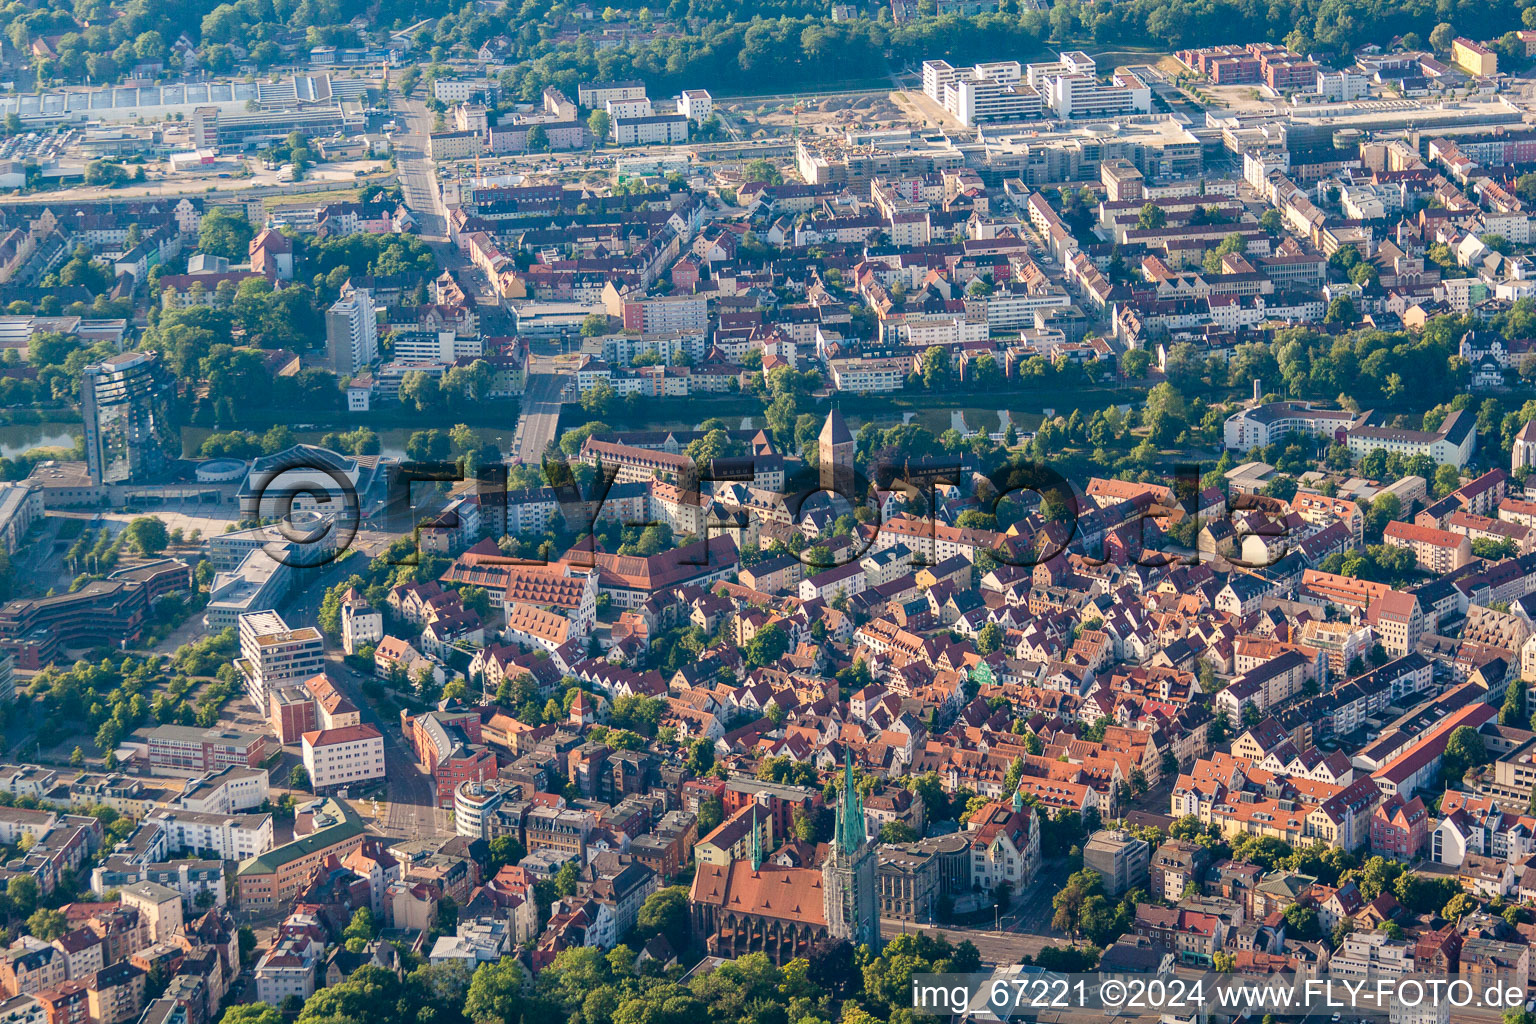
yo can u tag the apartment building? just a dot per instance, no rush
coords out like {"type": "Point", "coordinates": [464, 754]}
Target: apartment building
{"type": "Point", "coordinates": [116, 993]}
{"type": "Point", "coordinates": [322, 828]}
{"type": "Point", "coordinates": [227, 791]}
{"type": "Point", "coordinates": [1005, 845]}
{"type": "Point", "coordinates": [1474, 58]}
{"type": "Point", "coordinates": [595, 95]}
{"type": "Point", "coordinates": [361, 623]}
{"type": "Point", "coordinates": [662, 314]}
{"type": "Point", "coordinates": [1070, 87]}
{"type": "Point", "coordinates": [29, 966]}
{"type": "Point", "coordinates": [351, 333]}
{"type": "Point", "coordinates": [67, 1004]}
{"type": "Point", "coordinates": [652, 130]}
{"type": "Point", "coordinates": [1436, 551]}
{"type": "Point", "coordinates": [160, 905]}
{"type": "Point", "coordinates": [1452, 444]}
{"type": "Point", "coordinates": [288, 969]}
{"type": "Point", "coordinates": [1263, 425]}
{"type": "Point", "coordinates": [1397, 621]}
{"type": "Point", "coordinates": [224, 836]}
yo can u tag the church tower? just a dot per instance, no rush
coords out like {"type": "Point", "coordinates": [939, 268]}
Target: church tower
{"type": "Point", "coordinates": [834, 454]}
{"type": "Point", "coordinates": [848, 890]}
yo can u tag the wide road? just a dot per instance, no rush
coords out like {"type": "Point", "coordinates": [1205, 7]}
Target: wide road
{"type": "Point", "coordinates": [417, 173]}
{"type": "Point", "coordinates": [540, 412]}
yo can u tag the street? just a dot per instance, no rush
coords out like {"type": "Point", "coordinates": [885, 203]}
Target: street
{"type": "Point", "coordinates": [418, 177]}
{"type": "Point", "coordinates": [411, 813]}
{"type": "Point", "coordinates": [540, 414]}
{"type": "Point", "coordinates": [1025, 925]}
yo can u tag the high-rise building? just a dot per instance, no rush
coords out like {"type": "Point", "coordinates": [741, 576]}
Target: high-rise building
{"type": "Point", "coordinates": [129, 433]}
{"type": "Point", "coordinates": [272, 654]}
{"type": "Point", "coordinates": [352, 333]}
{"type": "Point", "coordinates": [849, 896]}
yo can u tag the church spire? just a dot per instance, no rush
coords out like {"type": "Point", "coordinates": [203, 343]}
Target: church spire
{"type": "Point", "coordinates": [850, 811]}
{"type": "Point", "coordinates": [757, 840]}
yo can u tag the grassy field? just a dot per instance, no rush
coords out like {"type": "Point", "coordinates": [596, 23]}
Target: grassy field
{"type": "Point", "coordinates": [1110, 59]}
{"type": "Point", "coordinates": [341, 195]}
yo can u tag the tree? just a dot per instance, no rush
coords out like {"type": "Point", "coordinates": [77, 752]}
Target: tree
{"type": "Point", "coordinates": [537, 140]}
{"type": "Point", "coordinates": [361, 926]}
{"type": "Point", "coordinates": [246, 937]}
{"type": "Point", "coordinates": [898, 832]}
{"type": "Point", "coordinates": [252, 1013]}
{"type": "Point", "coordinates": [105, 173]}
{"type": "Point", "coordinates": [24, 893]}
{"type": "Point", "coordinates": [1271, 221]}
{"type": "Point", "coordinates": [1301, 921]}
{"type": "Point", "coordinates": [1341, 311]}
{"type": "Point", "coordinates": [1079, 902]}
{"type": "Point", "coordinates": [761, 170]}
{"type": "Point", "coordinates": [1513, 710]}
{"type": "Point", "coordinates": [506, 850]}
{"type": "Point", "coordinates": [222, 232]}
{"type": "Point", "coordinates": [47, 924]}
{"type": "Point", "coordinates": [148, 535]}
{"type": "Point", "coordinates": [1441, 36]}
{"type": "Point", "coordinates": [299, 777]}
{"type": "Point", "coordinates": [767, 646]}
{"type": "Point", "coordinates": [1463, 751]}
{"type": "Point", "coordinates": [77, 756]}
{"type": "Point", "coordinates": [1458, 906]}
{"type": "Point", "coordinates": [989, 638]}
{"type": "Point", "coordinates": [711, 812]}
{"type": "Point", "coordinates": [1152, 217]}
{"type": "Point", "coordinates": [665, 913]}
{"type": "Point", "coordinates": [1447, 479]}
{"type": "Point", "coordinates": [596, 399]}
{"type": "Point", "coordinates": [701, 756]}
{"type": "Point", "coordinates": [936, 367]}
{"type": "Point", "coordinates": [1012, 776]}
{"type": "Point", "coordinates": [598, 123]}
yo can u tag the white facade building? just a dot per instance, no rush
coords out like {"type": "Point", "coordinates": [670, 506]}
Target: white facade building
{"type": "Point", "coordinates": [343, 757]}
{"type": "Point", "coordinates": [697, 105]}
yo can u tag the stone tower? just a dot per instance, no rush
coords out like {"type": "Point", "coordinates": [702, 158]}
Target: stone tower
{"type": "Point", "coordinates": [848, 890]}
{"type": "Point", "coordinates": [834, 453]}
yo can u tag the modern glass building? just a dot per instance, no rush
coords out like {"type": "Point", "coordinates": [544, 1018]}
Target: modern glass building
{"type": "Point", "coordinates": [129, 433]}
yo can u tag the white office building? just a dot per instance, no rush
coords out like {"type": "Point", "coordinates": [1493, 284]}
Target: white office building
{"type": "Point", "coordinates": [271, 654]}
{"type": "Point", "coordinates": [343, 757]}
{"type": "Point", "coordinates": [227, 791]}
{"type": "Point", "coordinates": [1070, 87]}
{"type": "Point", "coordinates": [986, 92]}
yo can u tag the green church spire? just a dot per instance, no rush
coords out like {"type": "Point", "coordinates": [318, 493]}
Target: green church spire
{"type": "Point", "coordinates": [757, 840]}
{"type": "Point", "coordinates": [850, 811]}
